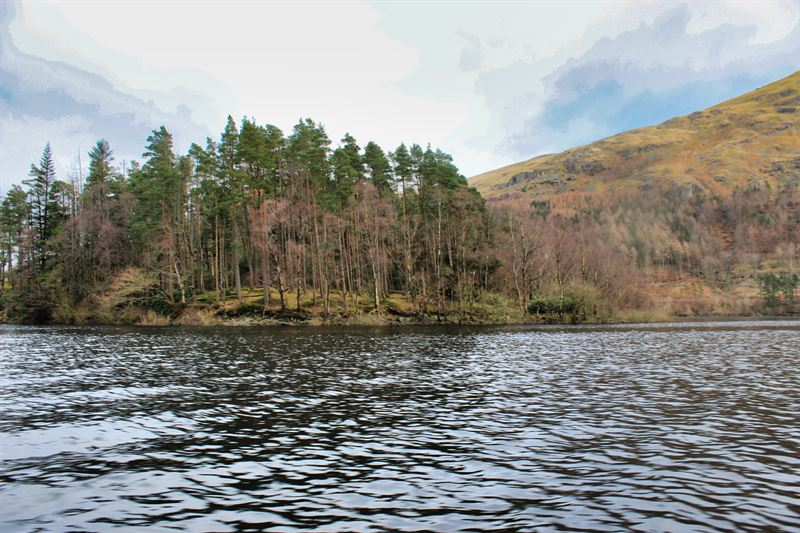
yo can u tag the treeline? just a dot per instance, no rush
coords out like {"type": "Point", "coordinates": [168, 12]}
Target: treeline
{"type": "Point", "coordinates": [279, 224]}
{"type": "Point", "coordinates": [252, 210]}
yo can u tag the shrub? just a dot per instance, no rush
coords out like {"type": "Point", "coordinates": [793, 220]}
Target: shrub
{"type": "Point", "coordinates": [580, 303]}
{"type": "Point", "coordinates": [493, 307]}
{"type": "Point", "coordinates": [778, 287]}
{"type": "Point", "coordinates": [547, 305]}
{"type": "Point", "coordinates": [129, 291]}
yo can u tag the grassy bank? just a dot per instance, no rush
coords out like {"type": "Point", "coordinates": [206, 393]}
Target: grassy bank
{"type": "Point", "coordinates": [134, 297]}
{"type": "Point", "coordinates": [209, 309]}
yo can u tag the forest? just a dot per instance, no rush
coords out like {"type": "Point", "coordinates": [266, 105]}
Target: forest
{"type": "Point", "coordinates": [289, 227]}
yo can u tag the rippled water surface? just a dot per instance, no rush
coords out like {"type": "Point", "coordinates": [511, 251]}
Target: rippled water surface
{"type": "Point", "coordinates": [681, 427]}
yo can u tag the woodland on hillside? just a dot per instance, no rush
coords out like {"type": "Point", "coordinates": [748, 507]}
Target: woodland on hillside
{"type": "Point", "coordinates": [285, 226]}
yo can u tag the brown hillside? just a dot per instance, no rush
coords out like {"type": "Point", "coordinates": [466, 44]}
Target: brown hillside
{"type": "Point", "coordinates": [751, 140]}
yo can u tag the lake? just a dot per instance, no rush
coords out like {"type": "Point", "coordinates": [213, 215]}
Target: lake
{"type": "Point", "coordinates": [669, 427]}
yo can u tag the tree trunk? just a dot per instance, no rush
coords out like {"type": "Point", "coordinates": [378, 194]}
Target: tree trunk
{"type": "Point", "coordinates": [237, 276]}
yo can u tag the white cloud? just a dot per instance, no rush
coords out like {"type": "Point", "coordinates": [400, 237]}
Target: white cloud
{"type": "Point", "coordinates": [17, 133]}
{"type": "Point", "coordinates": [651, 62]}
{"type": "Point", "coordinates": [49, 101]}
{"type": "Point", "coordinates": [274, 61]}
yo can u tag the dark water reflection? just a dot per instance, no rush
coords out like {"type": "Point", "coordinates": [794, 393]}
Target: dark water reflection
{"type": "Point", "coordinates": [690, 427]}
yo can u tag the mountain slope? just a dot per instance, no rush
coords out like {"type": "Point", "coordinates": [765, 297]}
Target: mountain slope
{"type": "Point", "coordinates": [751, 140]}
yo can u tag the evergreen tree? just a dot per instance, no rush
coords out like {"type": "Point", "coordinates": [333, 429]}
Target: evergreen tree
{"type": "Point", "coordinates": [14, 216]}
{"type": "Point", "coordinates": [402, 165]}
{"type": "Point", "coordinates": [45, 207]}
{"type": "Point", "coordinates": [348, 169]}
{"type": "Point", "coordinates": [235, 197]}
{"type": "Point", "coordinates": [157, 185]}
{"type": "Point", "coordinates": [378, 167]}
{"type": "Point", "coordinates": [160, 188]}
{"type": "Point", "coordinates": [259, 153]}
{"type": "Point", "coordinates": [307, 151]}
{"type": "Point", "coordinates": [101, 170]}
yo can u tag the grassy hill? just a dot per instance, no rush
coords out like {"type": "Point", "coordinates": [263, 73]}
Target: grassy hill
{"type": "Point", "coordinates": [702, 210]}
{"type": "Point", "coordinates": [752, 140]}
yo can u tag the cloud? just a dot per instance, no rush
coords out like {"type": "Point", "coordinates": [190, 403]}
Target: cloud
{"type": "Point", "coordinates": [125, 68]}
{"type": "Point", "coordinates": [471, 56]}
{"type": "Point", "coordinates": [639, 77]}
{"type": "Point", "coordinates": [50, 101]}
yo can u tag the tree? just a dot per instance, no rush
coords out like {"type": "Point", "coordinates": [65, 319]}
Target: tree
{"type": "Point", "coordinates": [348, 169]}
{"type": "Point", "coordinates": [101, 170]}
{"type": "Point", "coordinates": [46, 212]}
{"type": "Point", "coordinates": [14, 217]}
{"type": "Point", "coordinates": [235, 196]}
{"type": "Point", "coordinates": [773, 286]}
{"type": "Point", "coordinates": [307, 153]}
{"type": "Point", "coordinates": [156, 186]}
{"type": "Point", "coordinates": [208, 215]}
{"type": "Point", "coordinates": [378, 168]}
{"type": "Point", "coordinates": [160, 189]}
{"type": "Point", "coordinates": [309, 173]}
{"type": "Point", "coordinates": [403, 171]}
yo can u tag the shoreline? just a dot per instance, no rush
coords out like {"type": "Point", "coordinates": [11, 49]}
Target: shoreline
{"type": "Point", "coordinates": [388, 320]}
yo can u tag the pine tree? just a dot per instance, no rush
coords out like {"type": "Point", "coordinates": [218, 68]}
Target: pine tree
{"type": "Point", "coordinates": [348, 169]}
{"type": "Point", "coordinates": [309, 169]}
{"type": "Point", "coordinates": [156, 186]}
{"type": "Point", "coordinates": [100, 164]}
{"type": "Point", "coordinates": [378, 167]}
{"type": "Point", "coordinates": [307, 151]}
{"type": "Point", "coordinates": [234, 199]}
{"type": "Point", "coordinates": [160, 188]}
{"type": "Point", "coordinates": [14, 215]}
{"type": "Point", "coordinates": [46, 212]}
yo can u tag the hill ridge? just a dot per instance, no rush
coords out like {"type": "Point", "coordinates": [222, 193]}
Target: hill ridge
{"type": "Point", "coordinates": [751, 140]}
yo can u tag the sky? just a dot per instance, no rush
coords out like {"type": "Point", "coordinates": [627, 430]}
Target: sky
{"type": "Point", "coordinates": [491, 83]}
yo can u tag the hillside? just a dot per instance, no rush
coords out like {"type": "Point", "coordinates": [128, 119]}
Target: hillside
{"type": "Point", "coordinates": [751, 140]}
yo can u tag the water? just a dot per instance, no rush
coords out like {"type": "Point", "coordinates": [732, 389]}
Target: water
{"type": "Point", "coordinates": [682, 427]}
